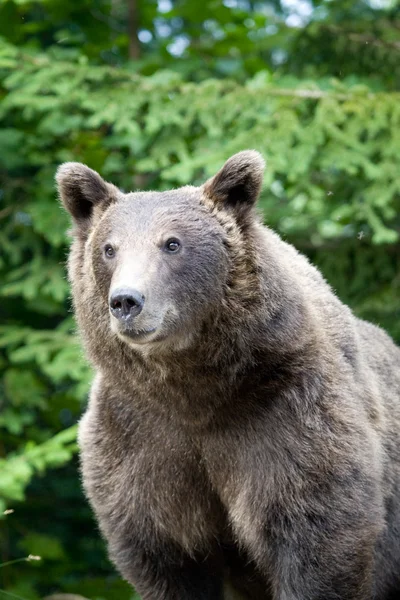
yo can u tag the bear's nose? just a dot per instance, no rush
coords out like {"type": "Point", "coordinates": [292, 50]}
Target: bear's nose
{"type": "Point", "coordinates": [126, 303]}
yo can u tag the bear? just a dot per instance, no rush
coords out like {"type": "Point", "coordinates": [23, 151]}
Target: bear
{"type": "Point", "coordinates": [243, 426]}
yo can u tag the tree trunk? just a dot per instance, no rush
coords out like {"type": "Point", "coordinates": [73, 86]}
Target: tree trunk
{"type": "Point", "coordinates": [133, 26]}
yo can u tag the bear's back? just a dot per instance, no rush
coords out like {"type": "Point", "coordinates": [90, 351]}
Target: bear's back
{"type": "Point", "coordinates": [367, 350]}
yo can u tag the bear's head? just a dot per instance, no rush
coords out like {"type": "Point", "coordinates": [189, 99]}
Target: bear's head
{"type": "Point", "coordinates": [154, 267]}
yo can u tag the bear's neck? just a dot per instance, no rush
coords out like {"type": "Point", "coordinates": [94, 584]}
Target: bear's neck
{"type": "Point", "coordinates": [263, 339]}
{"type": "Point", "coordinates": [227, 365]}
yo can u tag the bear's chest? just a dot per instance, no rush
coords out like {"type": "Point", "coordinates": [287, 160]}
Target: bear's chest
{"type": "Point", "coordinates": [171, 487]}
{"type": "Point", "coordinates": [153, 479]}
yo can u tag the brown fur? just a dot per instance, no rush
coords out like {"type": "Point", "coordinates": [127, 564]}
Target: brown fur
{"type": "Point", "coordinates": [252, 432]}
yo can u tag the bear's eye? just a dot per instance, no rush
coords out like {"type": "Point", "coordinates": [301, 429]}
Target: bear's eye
{"type": "Point", "coordinates": [109, 251]}
{"type": "Point", "coordinates": [172, 245]}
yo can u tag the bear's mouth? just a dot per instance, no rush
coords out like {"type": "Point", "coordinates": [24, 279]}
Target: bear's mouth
{"type": "Point", "coordinates": [130, 332]}
{"type": "Point", "coordinates": [138, 334]}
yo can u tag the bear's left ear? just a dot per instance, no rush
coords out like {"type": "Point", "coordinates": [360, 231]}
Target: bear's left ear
{"type": "Point", "coordinates": [237, 185]}
{"type": "Point", "coordinates": [81, 189]}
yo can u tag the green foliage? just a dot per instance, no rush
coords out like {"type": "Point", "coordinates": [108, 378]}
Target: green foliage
{"type": "Point", "coordinates": [17, 471]}
{"type": "Point", "coordinates": [211, 79]}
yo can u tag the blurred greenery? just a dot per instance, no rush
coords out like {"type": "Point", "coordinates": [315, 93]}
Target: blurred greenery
{"type": "Point", "coordinates": [155, 94]}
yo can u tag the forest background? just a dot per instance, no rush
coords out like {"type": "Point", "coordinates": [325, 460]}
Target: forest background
{"type": "Point", "coordinates": [155, 94]}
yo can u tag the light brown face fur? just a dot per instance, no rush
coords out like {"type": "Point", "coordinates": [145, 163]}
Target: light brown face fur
{"type": "Point", "coordinates": [180, 287]}
{"type": "Point", "coordinates": [127, 247]}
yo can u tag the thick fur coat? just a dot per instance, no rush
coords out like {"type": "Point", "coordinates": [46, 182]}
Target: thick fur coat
{"type": "Point", "coordinates": [243, 424]}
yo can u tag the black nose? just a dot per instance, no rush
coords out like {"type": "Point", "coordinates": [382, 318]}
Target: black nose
{"type": "Point", "coordinates": [126, 303]}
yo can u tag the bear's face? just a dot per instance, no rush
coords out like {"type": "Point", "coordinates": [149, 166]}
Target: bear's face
{"type": "Point", "coordinates": [159, 260]}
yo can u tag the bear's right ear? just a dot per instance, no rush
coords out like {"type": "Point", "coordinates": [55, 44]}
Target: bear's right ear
{"type": "Point", "coordinates": [81, 189]}
{"type": "Point", "coordinates": [237, 185]}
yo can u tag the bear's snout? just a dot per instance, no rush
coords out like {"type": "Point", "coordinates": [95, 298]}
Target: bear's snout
{"type": "Point", "coordinates": [126, 303]}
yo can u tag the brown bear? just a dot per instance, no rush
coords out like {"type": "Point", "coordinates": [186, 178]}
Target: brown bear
{"type": "Point", "coordinates": [243, 424]}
